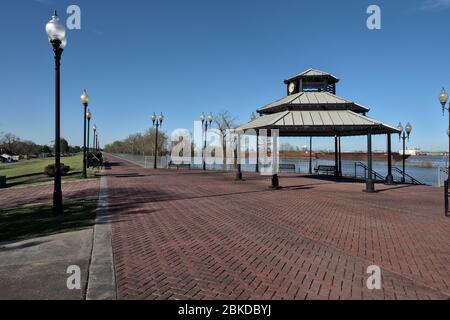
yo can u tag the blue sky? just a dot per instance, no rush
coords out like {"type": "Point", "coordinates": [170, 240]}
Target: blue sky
{"type": "Point", "coordinates": [188, 56]}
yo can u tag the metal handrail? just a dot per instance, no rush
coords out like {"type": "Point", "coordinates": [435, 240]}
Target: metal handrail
{"type": "Point", "coordinates": [413, 180]}
{"type": "Point", "coordinates": [366, 169]}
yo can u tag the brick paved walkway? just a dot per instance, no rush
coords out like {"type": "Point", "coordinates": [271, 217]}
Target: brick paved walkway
{"type": "Point", "coordinates": [195, 235]}
{"type": "Point", "coordinates": [14, 197]}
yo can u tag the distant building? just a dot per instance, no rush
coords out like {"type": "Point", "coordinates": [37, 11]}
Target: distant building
{"type": "Point", "coordinates": [413, 152]}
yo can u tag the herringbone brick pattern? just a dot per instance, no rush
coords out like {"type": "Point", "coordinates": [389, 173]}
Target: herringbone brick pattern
{"type": "Point", "coordinates": [15, 197]}
{"type": "Point", "coordinates": [202, 235]}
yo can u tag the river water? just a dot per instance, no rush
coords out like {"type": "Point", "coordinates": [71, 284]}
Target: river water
{"type": "Point", "coordinates": [425, 169]}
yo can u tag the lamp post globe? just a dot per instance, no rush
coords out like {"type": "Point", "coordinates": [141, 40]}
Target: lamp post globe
{"type": "Point", "coordinates": [55, 29]}
{"type": "Point", "coordinates": [56, 34]}
{"type": "Point", "coordinates": [408, 129]}
{"type": "Point", "coordinates": [400, 129]}
{"type": "Point", "coordinates": [443, 98]}
{"type": "Point", "coordinates": [84, 98]}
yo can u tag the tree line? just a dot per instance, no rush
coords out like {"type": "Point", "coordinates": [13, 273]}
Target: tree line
{"type": "Point", "coordinates": [144, 144]}
{"type": "Point", "coordinates": [13, 145]}
{"type": "Point", "coordinates": [140, 144]}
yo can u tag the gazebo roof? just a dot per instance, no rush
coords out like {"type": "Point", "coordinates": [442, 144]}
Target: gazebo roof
{"type": "Point", "coordinates": [312, 101]}
{"type": "Point", "coordinates": [312, 73]}
{"type": "Point", "coordinates": [319, 123]}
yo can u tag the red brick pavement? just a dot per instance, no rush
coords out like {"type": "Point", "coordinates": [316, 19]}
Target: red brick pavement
{"type": "Point", "coordinates": [15, 197]}
{"type": "Point", "coordinates": [196, 235]}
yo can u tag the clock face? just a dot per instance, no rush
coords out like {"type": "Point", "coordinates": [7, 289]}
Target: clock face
{"type": "Point", "coordinates": [291, 87]}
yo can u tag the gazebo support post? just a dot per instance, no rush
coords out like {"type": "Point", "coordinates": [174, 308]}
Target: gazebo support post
{"type": "Point", "coordinates": [310, 155]}
{"type": "Point", "coordinates": [336, 160]}
{"type": "Point", "coordinates": [389, 178]}
{"type": "Point", "coordinates": [275, 180]}
{"type": "Point", "coordinates": [257, 151]}
{"type": "Point", "coordinates": [340, 158]}
{"type": "Point", "coordinates": [370, 186]}
{"type": "Point", "coordinates": [238, 158]}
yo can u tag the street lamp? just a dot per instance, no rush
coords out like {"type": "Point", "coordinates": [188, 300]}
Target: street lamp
{"type": "Point", "coordinates": [239, 174]}
{"type": "Point", "coordinates": [94, 143]}
{"type": "Point", "coordinates": [443, 99]}
{"type": "Point", "coordinates": [88, 116]}
{"type": "Point", "coordinates": [404, 134]}
{"type": "Point", "coordinates": [157, 122]}
{"type": "Point", "coordinates": [205, 122]}
{"type": "Point", "coordinates": [57, 37]}
{"type": "Point", "coordinates": [85, 102]}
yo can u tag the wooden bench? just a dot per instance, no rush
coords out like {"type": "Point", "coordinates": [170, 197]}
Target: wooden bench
{"type": "Point", "coordinates": [286, 167]}
{"type": "Point", "coordinates": [179, 165]}
{"type": "Point", "coordinates": [326, 169]}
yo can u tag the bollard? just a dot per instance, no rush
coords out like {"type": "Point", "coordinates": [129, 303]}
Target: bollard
{"type": "Point", "coordinates": [275, 182]}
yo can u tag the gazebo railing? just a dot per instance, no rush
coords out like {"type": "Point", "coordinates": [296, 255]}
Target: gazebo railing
{"type": "Point", "coordinates": [408, 179]}
{"type": "Point", "coordinates": [363, 166]}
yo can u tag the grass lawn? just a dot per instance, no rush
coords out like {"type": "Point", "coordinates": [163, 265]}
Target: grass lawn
{"type": "Point", "coordinates": [28, 172]}
{"type": "Point", "coordinates": [39, 220]}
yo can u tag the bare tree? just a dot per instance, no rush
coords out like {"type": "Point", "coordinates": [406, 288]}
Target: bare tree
{"type": "Point", "coordinates": [225, 122]}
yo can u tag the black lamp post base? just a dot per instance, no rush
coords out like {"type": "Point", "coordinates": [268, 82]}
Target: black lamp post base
{"type": "Point", "coordinates": [370, 186]}
{"type": "Point", "coordinates": [389, 180]}
{"type": "Point", "coordinates": [58, 207]}
{"type": "Point", "coordinates": [275, 182]}
{"type": "Point", "coordinates": [239, 173]}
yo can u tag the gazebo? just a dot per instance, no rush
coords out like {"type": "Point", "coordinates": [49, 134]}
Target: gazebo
{"type": "Point", "coordinates": [312, 109]}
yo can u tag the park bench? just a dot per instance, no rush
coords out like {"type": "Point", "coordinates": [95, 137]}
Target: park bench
{"type": "Point", "coordinates": [286, 167]}
{"type": "Point", "coordinates": [326, 169]}
{"type": "Point", "coordinates": [179, 165]}
{"type": "Point", "coordinates": [2, 182]}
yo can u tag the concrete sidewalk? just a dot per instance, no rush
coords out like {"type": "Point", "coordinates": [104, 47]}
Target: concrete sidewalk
{"type": "Point", "coordinates": [36, 269]}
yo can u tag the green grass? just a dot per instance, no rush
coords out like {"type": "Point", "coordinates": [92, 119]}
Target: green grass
{"type": "Point", "coordinates": [39, 220]}
{"type": "Point", "coordinates": [28, 172]}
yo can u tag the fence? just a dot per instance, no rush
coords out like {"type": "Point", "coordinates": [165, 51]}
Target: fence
{"type": "Point", "coordinates": [442, 176]}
